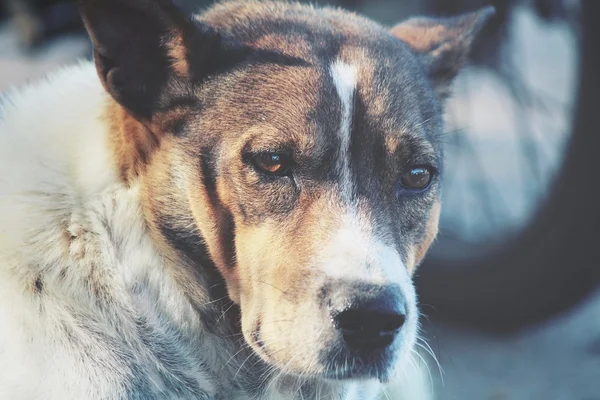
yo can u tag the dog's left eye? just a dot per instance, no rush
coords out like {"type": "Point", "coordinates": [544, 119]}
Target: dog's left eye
{"type": "Point", "coordinates": [272, 163]}
{"type": "Point", "coordinates": [417, 178]}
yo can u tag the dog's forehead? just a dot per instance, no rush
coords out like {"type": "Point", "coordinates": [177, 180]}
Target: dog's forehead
{"type": "Point", "coordinates": [315, 35]}
{"type": "Point", "coordinates": [347, 59]}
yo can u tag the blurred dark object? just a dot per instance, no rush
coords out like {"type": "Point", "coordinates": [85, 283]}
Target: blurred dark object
{"type": "Point", "coordinates": [39, 20]}
{"type": "Point", "coordinates": [550, 9]}
{"type": "Point", "coordinates": [554, 263]}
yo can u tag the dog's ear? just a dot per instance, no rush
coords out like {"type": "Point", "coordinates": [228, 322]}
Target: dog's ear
{"type": "Point", "coordinates": [142, 50]}
{"type": "Point", "coordinates": [443, 44]}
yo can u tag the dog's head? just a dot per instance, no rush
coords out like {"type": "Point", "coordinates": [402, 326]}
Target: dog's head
{"type": "Point", "coordinates": [301, 148]}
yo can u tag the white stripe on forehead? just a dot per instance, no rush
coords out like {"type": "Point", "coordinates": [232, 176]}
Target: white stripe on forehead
{"type": "Point", "coordinates": [344, 79]}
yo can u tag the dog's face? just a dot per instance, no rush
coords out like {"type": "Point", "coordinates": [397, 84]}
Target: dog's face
{"type": "Point", "coordinates": [301, 148]}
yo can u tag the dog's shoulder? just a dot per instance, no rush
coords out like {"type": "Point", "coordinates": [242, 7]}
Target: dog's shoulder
{"type": "Point", "coordinates": [53, 156]}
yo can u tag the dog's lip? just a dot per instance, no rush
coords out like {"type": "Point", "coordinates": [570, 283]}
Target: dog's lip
{"type": "Point", "coordinates": [360, 374]}
{"type": "Point", "coordinates": [346, 375]}
{"type": "Point", "coordinates": [377, 369]}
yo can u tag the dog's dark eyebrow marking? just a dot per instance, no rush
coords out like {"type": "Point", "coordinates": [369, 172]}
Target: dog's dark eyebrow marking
{"type": "Point", "coordinates": [261, 56]}
{"type": "Point", "coordinates": [231, 58]}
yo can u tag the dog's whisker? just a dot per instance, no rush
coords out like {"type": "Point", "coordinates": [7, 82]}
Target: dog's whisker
{"type": "Point", "coordinates": [242, 366]}
{"type": "Point", "coordinates": [224, 313]}
{"type": "Point", "coordinates": [263, 282]}
{"type": "Point", "coordinates": [244, 347]}
{"type": "Point", "coordinates": [415, 352]}
{"type": "Point", "coordinates": [421, 342]}
{"type": "Point", "coordinates": [385, 393]}
{"type": "Point", "coordinates": [214, 301]}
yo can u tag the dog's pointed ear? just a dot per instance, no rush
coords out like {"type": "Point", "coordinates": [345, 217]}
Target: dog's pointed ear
{"type": "Point", "coordinates": [443, 44]}
{"type": "Point", "coordinates": [142, 46]}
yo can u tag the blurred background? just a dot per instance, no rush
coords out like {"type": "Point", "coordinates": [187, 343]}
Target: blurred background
{"type": "Point", "coordinates": [508, 292]}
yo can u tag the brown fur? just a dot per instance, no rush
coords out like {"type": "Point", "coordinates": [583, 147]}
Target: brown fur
{"type": "Point", "coordinates": [132, 143]}
{"type": "Point", "coordinates": [177, 52]}
{"type": "Point", "coordinates": [430, 234]}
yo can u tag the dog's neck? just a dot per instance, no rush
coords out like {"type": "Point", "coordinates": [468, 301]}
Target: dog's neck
{"type": "Point", "coordinates": [133, 144]}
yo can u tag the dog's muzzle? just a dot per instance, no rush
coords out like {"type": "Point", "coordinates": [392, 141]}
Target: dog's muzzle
{"type": "Point", "coordinates": [367, 319]}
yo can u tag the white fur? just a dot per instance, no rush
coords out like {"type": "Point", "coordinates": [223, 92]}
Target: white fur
{"type": "Point", "coordinates": [58, 179]}
{"type": "Point", "coordinates": [354, 253]}
{"type": "Point", "coordinates": [66, 220]}
{"type": "Point", "coordinates": [344, 79]}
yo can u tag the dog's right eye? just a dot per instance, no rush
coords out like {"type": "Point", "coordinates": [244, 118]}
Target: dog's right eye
{"type": "Point", "coordinates": [272, 163]}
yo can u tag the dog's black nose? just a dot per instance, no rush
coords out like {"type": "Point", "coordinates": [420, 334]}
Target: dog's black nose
{"type": "Point", "coordinates": [364, 328]}
{"type": "Point", "coordinates": [372, 322]}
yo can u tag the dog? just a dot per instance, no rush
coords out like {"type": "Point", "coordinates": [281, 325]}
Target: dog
{"type": "Point", "coordinates": [223, 206]}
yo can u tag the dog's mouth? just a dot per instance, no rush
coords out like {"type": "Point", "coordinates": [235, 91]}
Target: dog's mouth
{"type": "Point", "coordinates": [333, 357]}
{"type": "Point", "coordinates": [338, 364]}
{"type": "Point", "coordinates": [354, 364]}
